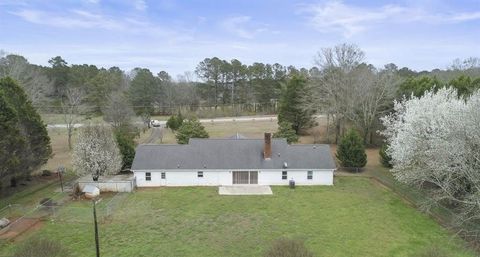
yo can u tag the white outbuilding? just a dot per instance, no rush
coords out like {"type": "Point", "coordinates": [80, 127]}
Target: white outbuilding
{"type": "Point", "coordinates": [91, 191]}
{"type": "Point", "coordinates": [109, 183]}
{"type": "Point", "coordinates": [223, 162]}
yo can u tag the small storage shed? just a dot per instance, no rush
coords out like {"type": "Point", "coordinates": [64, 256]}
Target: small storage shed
{"type": "Point", "coordinates": [91, 191]}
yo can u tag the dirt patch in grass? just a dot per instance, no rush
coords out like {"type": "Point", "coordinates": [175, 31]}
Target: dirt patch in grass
{"type": "Point", "coordinates": [37, 226]}
{"type": "Point", "coordinates": [20, 226]}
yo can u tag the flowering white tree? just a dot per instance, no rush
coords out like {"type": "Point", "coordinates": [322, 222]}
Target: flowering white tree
{"type": "Point", "coordinates": [434, 142]}
{"type": "Point", "coordinates": [96, 152]}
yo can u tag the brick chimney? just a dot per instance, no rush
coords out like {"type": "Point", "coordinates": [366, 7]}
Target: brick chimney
{"type": "Point", "coordinates": [267, 147]}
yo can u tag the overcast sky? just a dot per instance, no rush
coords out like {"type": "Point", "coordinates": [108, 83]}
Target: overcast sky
{"type": "Point", "coordinates": [174, 35]}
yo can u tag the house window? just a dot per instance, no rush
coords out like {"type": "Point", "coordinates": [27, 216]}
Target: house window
{"type": "Point", "coordinates": [309, 174]}
{"type": "Point", "coordinates": [284, 174]}
{"type": "Point", "coordinates": [200, 174]}
{"type": "Point", "coordinates": [162, 175]}
{"type": "Point", "coordinates": [148, 176]}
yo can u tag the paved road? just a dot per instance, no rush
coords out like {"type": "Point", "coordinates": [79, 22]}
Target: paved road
{"type": "Point", "coordinates": [215, 120]}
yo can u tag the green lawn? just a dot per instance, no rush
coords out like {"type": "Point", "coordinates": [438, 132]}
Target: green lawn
{"type": "Point", "coordinates": [356, 217]}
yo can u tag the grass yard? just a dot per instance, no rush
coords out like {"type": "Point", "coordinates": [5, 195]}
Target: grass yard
{"type": "Point", "coordinates": [30, 195]}
{"type": "Point", "coordinates": [250, 129]}
{"type": "Point", "coordinates": [356, 217]}
{"type": "Point", "coordinates": [60, 118]}
{"type": "Point", "coordinates": [61, 153]}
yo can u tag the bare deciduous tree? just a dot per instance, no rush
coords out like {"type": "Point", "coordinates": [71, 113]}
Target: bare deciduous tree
{"type": "Point", "coordinates": [469, 63]}
{"type": "Point", "coordinates": [332, 87]}
{"type": "Point", "coordinates": [30, 77]}
{"type": "Point", "coordinates": [71, 109]}
{"type": "Point", "coordinates": [372, 95]}
{"type": "Point", "coordinates": [350, 91]}
{"type": "Point", "coordinates": [96, 152]}
{"type": "Point", "coordinates": [117, 111]}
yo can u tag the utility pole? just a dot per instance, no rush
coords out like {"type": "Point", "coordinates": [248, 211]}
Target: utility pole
{"type": "Point", "coordinates": [97, 244]}
{"type": "Point", "coordinates": [233, 98]}
{"type": "Point", "coordinates": [60, 172]}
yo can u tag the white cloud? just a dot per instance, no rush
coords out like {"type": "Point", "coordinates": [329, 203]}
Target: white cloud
{"type": "Point", "coordinates": [140, 5]}
{"type": "Point", "coordinates": [241, 26]}
{"type": "Point", "coordinates": [235, 25]}
{"type": "Point", "coordinates": [460, 17]}
{"type": "Point", "coordinates": [13, 3]}
{"type": "Point", "coordinates": [81, 19]}
{"type": "Point", "coordinates": [349, 20]}
{"type": "Point", "coordinates": [75, 19]}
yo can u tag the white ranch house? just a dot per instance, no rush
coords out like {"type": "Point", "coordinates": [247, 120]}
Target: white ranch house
{"type": "Point", "coordinates": [223, 162]}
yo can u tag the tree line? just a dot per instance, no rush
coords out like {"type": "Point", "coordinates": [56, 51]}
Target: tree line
{"type": "Point", "coordinates": [223, 82]}
{"type": "Point", "coordinates": [340, 79]}
{"type": "Point", "coordinates": [355, 94]}
{"type": "Point", "coordinates": [341, 85]}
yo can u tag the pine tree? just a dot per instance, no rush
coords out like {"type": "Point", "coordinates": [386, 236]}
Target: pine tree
{"type": "Point", "coordinates": [190, 129]}
{"type": "Point", "coordinates": [286, 131]}
{"type": "Point", "coordinates": [143, 92]}
{"type": "Point", "coordinates": [37, 148]}
{"type": "Point", "coordinates": [11, 142]}
{"type": "Point", "coordinates": [351, 151]}
{"type": "Point", "coordinates": [126, 145]}
{"type": "Point", "coordinates": [175, 121]}
{"type": "Point", "coordinates": [291, 109]}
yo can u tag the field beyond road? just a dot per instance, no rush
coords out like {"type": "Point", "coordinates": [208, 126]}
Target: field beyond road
{"type": "Point", "coordinates": [356, 217]}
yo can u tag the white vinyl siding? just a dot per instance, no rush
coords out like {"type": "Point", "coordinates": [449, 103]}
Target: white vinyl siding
{"type": "Point", "coordinates": [224, 177]}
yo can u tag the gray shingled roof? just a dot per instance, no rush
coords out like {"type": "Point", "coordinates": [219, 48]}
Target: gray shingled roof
{"type": "Point", "coordinates": [231, 154]}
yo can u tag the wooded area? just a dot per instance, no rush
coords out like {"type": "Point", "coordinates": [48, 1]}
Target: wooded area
{"type": "Point", "coordinates": [341, 85]}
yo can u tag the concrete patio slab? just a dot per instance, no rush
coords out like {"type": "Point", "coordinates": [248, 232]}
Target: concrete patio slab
{"type": "Point", "coordinates": [245, 190]}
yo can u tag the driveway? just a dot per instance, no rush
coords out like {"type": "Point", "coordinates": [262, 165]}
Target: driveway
{"type": "Point", "coordinates": [215, 120]}
{"type": "Point", "coordinates": [157, 133]}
